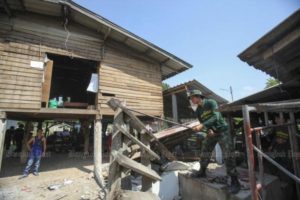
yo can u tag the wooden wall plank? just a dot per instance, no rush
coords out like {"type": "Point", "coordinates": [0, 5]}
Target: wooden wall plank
{"type": "Point", "coordinates": [135, 81]}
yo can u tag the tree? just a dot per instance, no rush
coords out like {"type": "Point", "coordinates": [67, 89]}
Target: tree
{"type": "Point", "coordinates": [271, 82]}
{"type": "Point", "coordinates": [165, 86]}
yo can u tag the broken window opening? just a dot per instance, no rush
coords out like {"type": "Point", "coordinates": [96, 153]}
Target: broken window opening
{"type": "Point", "coordinates": [70, 79]}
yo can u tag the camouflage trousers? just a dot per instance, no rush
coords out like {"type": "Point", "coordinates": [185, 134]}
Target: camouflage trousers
{"type": "Point", "coordinates": [225, 141]}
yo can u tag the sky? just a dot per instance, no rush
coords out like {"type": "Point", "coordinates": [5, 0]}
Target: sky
{"type": "Point", "coordinates": [209, 34]}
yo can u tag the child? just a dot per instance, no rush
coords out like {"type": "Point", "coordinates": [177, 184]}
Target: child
{"type": "Point", "coordinates": [37, 148]}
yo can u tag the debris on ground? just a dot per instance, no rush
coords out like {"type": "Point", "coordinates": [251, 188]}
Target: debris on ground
{"type": "Point", "coordinates": [63, 184]}
{"type": "Point", "coordinates": [57, 186]}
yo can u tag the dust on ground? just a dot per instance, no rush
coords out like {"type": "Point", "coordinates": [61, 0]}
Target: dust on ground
{"type": "Point", "coordinates": [72, 175]}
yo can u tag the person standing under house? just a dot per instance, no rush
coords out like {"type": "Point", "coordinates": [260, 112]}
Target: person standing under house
{"type": "Point", "coordinates": [37, 149]}
{"type": "Point", "coordinates": [9, 136]}
{"type": "Point", "coordinates": [18, 138]}
{"type": "Point", "coordinates": [213, 123]}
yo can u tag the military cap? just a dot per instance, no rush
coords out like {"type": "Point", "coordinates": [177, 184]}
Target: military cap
{"type": "Point", "coordinates": [196, 93]}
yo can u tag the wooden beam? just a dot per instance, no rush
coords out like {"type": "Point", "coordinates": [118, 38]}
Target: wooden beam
{"type": "Point", "coordinates": [24, 152]}
{"type": "Point", "coordinates": [2, 134]}
{"type": "Point", "coordinates": [135, 166]}
{"type": "Point", "coordinates": [107, 33]}
{"type": "Point", "coordinates": [266, 117]}
{"type": "Point", "coordinates": [136, 141]}
{"type": "Point", "coordinates": [86, 134]}
{"type": "Point", "coordinates": [98, 149]}
{"type": "Point", "coordinates": [145, 160]}
{"type": "Point", "coordinates": [164, 61]}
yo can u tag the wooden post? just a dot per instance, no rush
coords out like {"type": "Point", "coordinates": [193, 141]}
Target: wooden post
{"type": "Point", "coordinates": [2, 134]}
{"type": "Point", "coordinates": [260, 158]}
{"type": "Point", "coordinates": [28, 128]}
{"type": "Point", "coordinates": [250, 154]}
{"type": "Point", "coordinates": [145, 160]}
{"type": "Point", "coordinates": [174, 108]}
{"type": "Point", "coordinates": [115, 173]}
{"type": "Point", "coordinates": [86, 135]}
{"type": "Point", "coordinates": [98, 149]}
{"type": "Point", "coordinates": [266, 117]}
{"type": "Point", "coordinates": [294, 148]}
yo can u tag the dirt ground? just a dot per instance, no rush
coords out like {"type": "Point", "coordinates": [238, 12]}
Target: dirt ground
{"type": "Point", "coordinates": [74, 170]}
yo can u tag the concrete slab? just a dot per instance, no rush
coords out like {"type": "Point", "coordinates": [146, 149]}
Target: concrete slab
{"type": "Point", "coordinates": [133, 195]}
{"type": "Point", "coordinates": [201, 189]}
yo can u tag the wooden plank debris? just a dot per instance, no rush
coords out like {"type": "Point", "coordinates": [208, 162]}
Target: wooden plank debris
{"type": "Point", "coordinates": [135, 166]}
{"type": "Point", "coordinates": [135, 140]}
{"type": "Point", "coordinates": [175, 130]}
{"type": "Point", "coordinates": [140, 127]}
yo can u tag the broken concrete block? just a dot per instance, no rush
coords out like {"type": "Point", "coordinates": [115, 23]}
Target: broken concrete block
{"type": "Point", "coordinates": [175, 166]}
{"type": "Point", "coordinates": [168, 187]}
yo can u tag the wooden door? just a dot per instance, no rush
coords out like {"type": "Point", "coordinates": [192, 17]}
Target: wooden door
{"type": "Point", "coordinates": [46, 86]}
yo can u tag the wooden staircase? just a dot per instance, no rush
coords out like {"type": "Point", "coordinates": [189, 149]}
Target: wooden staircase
{"type": "Point", "coordinates": [130, 136]}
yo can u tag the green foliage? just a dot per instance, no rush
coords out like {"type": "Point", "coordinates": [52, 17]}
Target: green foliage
{"type": "Point", "coordinates": [271, 82]}
{"type": "Point", "coordinates": [165, 86]}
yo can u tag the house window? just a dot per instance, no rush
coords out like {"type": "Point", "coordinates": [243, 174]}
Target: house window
{"type": "Point", "coordinates": [70, 80]}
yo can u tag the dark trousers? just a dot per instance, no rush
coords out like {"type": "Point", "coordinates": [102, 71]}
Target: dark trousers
{"type": "Point", "coordinates": [225, 141]}
{"type": "Point", "coordinates": [18, 146]}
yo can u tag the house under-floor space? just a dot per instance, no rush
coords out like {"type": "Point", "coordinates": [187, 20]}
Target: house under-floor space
{"type": "Point", "coordinates": [70, 135]}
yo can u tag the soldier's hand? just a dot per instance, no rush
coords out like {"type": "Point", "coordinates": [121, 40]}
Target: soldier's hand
{"type": "Point", "coordinates": [197, 128]}
{"type": "Point", "coordinates": [210, 133]}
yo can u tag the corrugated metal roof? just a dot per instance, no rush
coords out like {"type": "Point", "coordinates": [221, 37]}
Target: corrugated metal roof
{"type": "Point", "coordinates": [280, 92]}
{"type": "Point", "coordinates": [171, 65]}
{"type": "Point", "coordinates": [277, 52]}
{"type": "Point", "coordinates": [194, 84]}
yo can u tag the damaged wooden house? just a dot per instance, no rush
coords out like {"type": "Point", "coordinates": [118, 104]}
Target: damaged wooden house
{"type": "Point", "coordinates": [60, 61]}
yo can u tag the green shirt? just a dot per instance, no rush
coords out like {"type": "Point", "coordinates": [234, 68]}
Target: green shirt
{"type": "Point", "coordinates": [210, 117]}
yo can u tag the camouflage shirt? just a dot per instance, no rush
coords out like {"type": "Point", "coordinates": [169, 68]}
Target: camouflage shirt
{"type": "Point", "coordinates": [210, 117]}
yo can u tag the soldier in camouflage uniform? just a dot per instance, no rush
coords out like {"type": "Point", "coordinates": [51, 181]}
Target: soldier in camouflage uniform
{"type": "Point", "coordinates": [213, 123]}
